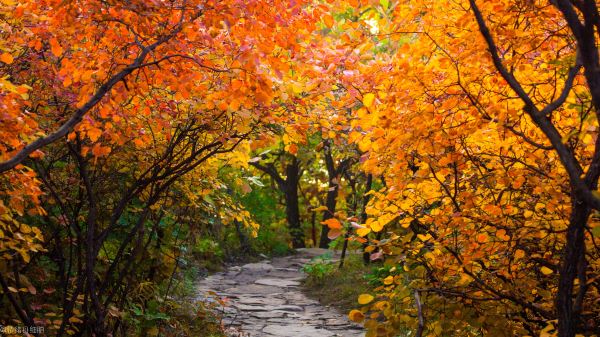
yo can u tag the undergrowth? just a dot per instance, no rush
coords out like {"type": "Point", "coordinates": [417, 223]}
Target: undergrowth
{"type": "Point", "coordinates": [333, 286]}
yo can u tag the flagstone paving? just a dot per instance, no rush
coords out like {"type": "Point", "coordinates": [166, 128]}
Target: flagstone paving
{"type": "Point", "coordinates": [265, 299]}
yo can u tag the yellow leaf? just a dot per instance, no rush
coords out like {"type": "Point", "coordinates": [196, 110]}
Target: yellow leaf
{"type": "Point", "coordinates": [320, 208]}
{"type": "Point", "coordinates": [527, 214]}
{"type": "Point", "coordinates": [356, 316]}
{"type": "Point", "coordinates": [376, 226]}
{"type": "Point", "coordinates": [382, 305]}
{"type": "Point", "coordinates": [364, 145]}
{"type": "Point", "coordinates": [297, 88]}
{"type": "Point", "coordinates": [25, 256]}
{"type": "Point", "coordinates": [546, 270]}
{"type": "Point", "coordinates": [365, 299]}
{"type": "Point", "coordinates": [424, 237]}
{"type": "Point", "coordinates": [464, 279]}
{"type": "Point", "coordinates": [429, 256]}
{"type": "Point", "coordinates": [388, 280]}
{"type": "Point", "coordinates": [363, 231]}
{"type": "Point", "coordinates": [7, 58]}
{"type": "Point", "coordinates": [368, 100]}
{"type": "Point", "coordinates": [25, 229]}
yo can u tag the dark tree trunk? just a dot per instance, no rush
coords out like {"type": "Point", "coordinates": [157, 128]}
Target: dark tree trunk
{"type": "Point", "coordinates": [313, 220]}
{"type": "Point", "coordinates": [330, 203]}
{"type": "Point", "coordinates": [351, 200]}
{"type": "Point", "coordinates": [333, 173]}
{"type": "Point", "coordinates": [292, 210]}
{"type": "Point", "coordinates": [573, 261]}
{"type": "Point", "coordinates": [332, 193]}
{"type": "Point", "coordinates": [244, 241]}
{"type": "Point", "coordinates": [289, 188]}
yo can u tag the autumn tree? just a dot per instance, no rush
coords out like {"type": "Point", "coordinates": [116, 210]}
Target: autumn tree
{"type": "Point", "coordinates": [484, 127]}
{"type": "Point", "coordinates": [115, 117]}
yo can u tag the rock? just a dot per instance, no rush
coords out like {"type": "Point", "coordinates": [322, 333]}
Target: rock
{"type": "Point", "coordinates": [254, 289]}
{"type": "Point", "coordinates": [270, 315]}
{"type": "Point", "coordinates": [246, 307]}
{"type": "Point", "coordinates": [295, 331]}
{"type": "Point", "coordinates": [295, 308]}
{"type": "Point", "coordinates": [275, 282]}
{"type": "Point", "coordinates": [260, 266]}
{"type": "Point", "coordinates": [252, 300]}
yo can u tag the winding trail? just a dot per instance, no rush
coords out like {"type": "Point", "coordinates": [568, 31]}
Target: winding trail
{"type": "Point", "coordinates": [264, 299]}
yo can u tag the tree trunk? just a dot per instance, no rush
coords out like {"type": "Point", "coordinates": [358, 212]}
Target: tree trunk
{"type": "Point", "coordinates": [332, 193]}
{"type": "Point", "coordinates": [313, 220]}
{"type": "Point", "coordinates": [573, 259]}
{"type": "Point", "coordinates": [354, 202]}
{"type": "Point", "coordinates": [244, 241]}
{"type": "Point", "coordinates": [363, 216]}
{"type": "Point", "coordinates": [289, 188]}
{"type": "Point", "coordinates": [328, 214]}
{"type": "Point", "coordinates": [292, 210]}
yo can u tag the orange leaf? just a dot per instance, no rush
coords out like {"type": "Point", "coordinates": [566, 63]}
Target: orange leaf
{"type": "Point", "coordinates": [519, 254]}
{"type": "Point", "coordinates": [223, 105]}
{"type": "Point", "coordinates": [328, 19]}
{"type": "Point", "coordinates": [7, 58]}
{"type": "Point", "coordinates": [332, 223]}
{"type": "Point", "coordinates": [482, 238]}
{"type": "Point", "coordinates": [55, 47]}
{"type": "Point", "coordinates": [293, 148]}
{"type": "Point", "coordinates": [94, 134]}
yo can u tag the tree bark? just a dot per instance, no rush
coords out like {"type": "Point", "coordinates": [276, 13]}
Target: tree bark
{"type": "Point", "coordinates": [330, 203]}
{"type": "Point", "coordinates": [332, 174]}
{"type": "Point", "coordinates": [568, 313]}
{"type": "Point", "coordinates": [292, 210]}
{"type": "Point", "coordinates": [363, 216]}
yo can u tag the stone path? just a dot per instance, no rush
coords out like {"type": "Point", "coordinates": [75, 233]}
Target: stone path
{"type": "Point", "coordinates": [264, 299]}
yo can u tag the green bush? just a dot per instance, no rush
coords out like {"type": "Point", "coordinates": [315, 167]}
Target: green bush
{"type": "Point", "coordinates": [319, 268]}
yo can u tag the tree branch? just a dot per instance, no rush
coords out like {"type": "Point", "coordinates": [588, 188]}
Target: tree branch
{"type": "Point", "coordinates": [567, 158]}
{"type": "Point", "coordinates": [95, 99]}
